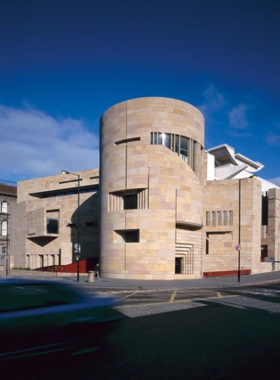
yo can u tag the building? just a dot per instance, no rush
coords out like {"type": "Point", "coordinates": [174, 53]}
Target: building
{"type": "Point", "coordinates": [162, 206]}
{"type": "Point", "coordinates": [47, 216]}
{"type": "Point", "coordinates": [8, 197]}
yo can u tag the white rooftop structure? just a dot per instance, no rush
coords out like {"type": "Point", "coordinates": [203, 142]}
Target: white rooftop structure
{"type": "Point", "coordinates": [224, 163]}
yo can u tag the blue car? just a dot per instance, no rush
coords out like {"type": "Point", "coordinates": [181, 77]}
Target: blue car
{"type": "Point", "coordinates": [41, 317]}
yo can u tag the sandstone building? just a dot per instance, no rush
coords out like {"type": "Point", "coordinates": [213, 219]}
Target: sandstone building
{"type": "Point", "coordinates": [159, 207]}
{"type": "Point", "coordinates": [8, 196]}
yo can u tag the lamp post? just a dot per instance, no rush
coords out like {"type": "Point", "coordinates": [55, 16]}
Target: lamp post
{"type": "Point", "coordinates": [77, 247]}
{"type": "Point", "coordinates": [78, 267]}
{"type": "Point", "coordinates": [239, 229]}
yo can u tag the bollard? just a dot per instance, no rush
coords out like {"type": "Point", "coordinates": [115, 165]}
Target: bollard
{"type": "Point", "coordinates": [90, 276]}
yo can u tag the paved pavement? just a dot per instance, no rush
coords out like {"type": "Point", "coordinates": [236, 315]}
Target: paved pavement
{"type": "Point", "coordinates": [213, 282]}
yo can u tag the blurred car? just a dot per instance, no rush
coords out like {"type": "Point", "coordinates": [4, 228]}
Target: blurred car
{"type": "Point", "coordinates": [40, 317]}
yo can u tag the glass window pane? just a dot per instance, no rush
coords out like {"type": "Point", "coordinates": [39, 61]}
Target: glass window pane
{"type": "Point", "coordinates": [230, 218]}
{"type": "Point", "coordinates": [4, 227]}
{"type": "Point", "coordinates": [166, 139]}
{"type": "Point", "coordinates": [219, 218]}
{"type": "Point", "coordinates": [4, 207]}
{"type": "Point", "coordinates": [52, 226]}
{"type": "Point", "coordinates": [184, 148]}
{"type": "Point", "coordinates": [224, 218]}
{"type": "Point", "coordinates": [176, 146]}
{"type": "Point", "coordinates": [194, 155]}
{"type": "Point", "coordinates": [130, 202]}
{"type": "Point", "coordinates": [207, 218]}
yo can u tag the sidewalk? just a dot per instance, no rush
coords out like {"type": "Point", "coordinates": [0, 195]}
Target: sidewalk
{"type": "Point", "coordinates": [213, 282]}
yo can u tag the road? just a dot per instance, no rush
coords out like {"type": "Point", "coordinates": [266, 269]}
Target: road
{"type": "Point", "coordinates": [232, 333]}
{"type": "Point", "coordinates": [137, 303]}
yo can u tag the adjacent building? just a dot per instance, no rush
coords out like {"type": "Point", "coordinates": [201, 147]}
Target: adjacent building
{"type": "Point", "coordinates": [8, 197]}
{"type": "Point", "coordinates": [159, 206]}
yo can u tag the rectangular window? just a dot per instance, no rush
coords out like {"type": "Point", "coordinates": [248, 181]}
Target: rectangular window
{"type": "Point", "coordinates": [4, 228]}
{"type": "Point", "coordinates": [176, 144]}
{"type": "Point", "coordinates": [194, 156]}
{"type": "Point", "coordinates": [264, 251]}
{"type": "Point", "coordinates": [4, 207]}
{"type": "Point", "coordinates": [52, 226]}
{"type": "Point", "coordinates": [153, 138]}
{"type": "Point", "coordinates": [208, 221]}
{"type": "Point", "coordinates": [184, 146]}
{"type": "Point", "coordinates": [130, 202]}
{"type": "Point", "coordinates": [213, 218]}
{"type": "Point", "coordinates": [129, 236]}
{"type": "Point", "coordinates": [230, 218]}
{"type": "Point", "coordinates": [219, 218]}
{"type": "Point", "coordinates": [224, 223]}
{"type": "Point", "coordinates": [166, 140]}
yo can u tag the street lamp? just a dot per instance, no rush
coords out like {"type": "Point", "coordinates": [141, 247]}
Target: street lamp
{"type": "Point", "coordinates": [77, 246]}
{"type": "Point", "coordinates": [239, 229]}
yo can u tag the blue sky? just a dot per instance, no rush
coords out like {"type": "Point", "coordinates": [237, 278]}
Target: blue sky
{"type": "Point", "coordinates": [63, 63]}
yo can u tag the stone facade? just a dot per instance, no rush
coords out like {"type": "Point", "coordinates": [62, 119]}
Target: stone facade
{"type": "Point", "coordinates": [50, 200]}
{"type": "Point", "coordinates": [8, 197]}
{"type": "Point", "coordinates": [232, 210]}
{"type": "Point", "coordinates": [135, 164]}
{"type": "Point", "coordinates": [162, 206]}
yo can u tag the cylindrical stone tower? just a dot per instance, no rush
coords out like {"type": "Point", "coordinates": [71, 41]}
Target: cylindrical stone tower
{"type": "Point", "coordinates": [151, 194]}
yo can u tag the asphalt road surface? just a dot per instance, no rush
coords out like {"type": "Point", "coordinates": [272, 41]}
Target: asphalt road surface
{"type": "Point", "coordinates": [192, 334]}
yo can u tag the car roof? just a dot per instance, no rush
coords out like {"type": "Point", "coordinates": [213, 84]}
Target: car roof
{"type": "Point", "coordinates": [18, 280]}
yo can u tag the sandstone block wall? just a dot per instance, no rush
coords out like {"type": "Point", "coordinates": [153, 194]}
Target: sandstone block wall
{"type": "Point", "coordinates": [171, 192]}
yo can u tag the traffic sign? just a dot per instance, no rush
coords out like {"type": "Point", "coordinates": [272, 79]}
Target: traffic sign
{"type": "Point", "coordinates": [238, 247]}
{"type": "Point", "coordinates": [77, 248]}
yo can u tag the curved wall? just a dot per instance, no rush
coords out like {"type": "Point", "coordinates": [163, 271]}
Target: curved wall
{"type": "Point", "coordinates": [151, 199]}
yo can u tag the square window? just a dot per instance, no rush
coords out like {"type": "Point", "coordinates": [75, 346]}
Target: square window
{"type": "Point", "coordinates": [52, 226]}
{"type": "Point", "coordinates": [130, 202]}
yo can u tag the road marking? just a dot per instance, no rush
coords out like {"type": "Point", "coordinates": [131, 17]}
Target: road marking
{"type": "Point", "coordinates": [132, 294]}
{"type": "Point", "coordinates": [173, 296]}
{"type": "Point", "coordinates": [176, 301]}
{"type": "Point", "coordinates": [219, 295]}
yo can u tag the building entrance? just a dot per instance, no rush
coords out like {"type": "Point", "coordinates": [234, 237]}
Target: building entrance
{"type": "Point", "coordinates": [178, 265]}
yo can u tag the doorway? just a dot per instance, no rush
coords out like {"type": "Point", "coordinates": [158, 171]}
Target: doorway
{"type": "Point", "coordinates": [178, 265]}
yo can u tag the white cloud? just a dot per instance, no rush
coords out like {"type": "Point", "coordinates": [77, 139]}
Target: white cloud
{"type": "Point", "coordinates": [34, 144]}
{"type": "Point", "coordinates": [237, 117]}
{"type": "Point", "coordinates": [272, 139]}
{"type": "Point", "coordinates": [243, 135]}
{"type": "Point", "coordinates": [214, 101]}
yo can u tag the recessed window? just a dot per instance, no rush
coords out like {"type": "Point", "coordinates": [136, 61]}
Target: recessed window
{"type": "Point", "coordinates": [230, 218]}
{"type": "Point", "coordinates": [129, 236]}
{"type": "Point", "coordinates": [4, 228]}
{"type": "Point", "coordinates": [52, 226]}
{"type": "Point", "coordinates": [219, 218]}
{"type": "Point", "coordinates": [184, 148]}
{"type": "Point", "coordinates": [130, 202]}
{"type": "Point", "coordinates": [264, 251]}
{"type": "Point", "coordinates": [4, 207]}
